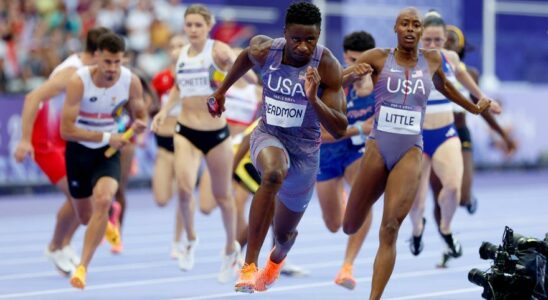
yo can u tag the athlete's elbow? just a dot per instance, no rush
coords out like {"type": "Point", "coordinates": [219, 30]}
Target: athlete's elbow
{"type": "Point", "coordinates": [65, 135]}
{"type": "Point", "coordinates": [32, 100]}
{"type": "Point", "coordinates": [339, 133]}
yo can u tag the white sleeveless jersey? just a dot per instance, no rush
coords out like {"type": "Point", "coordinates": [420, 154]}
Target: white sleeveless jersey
{"type": "Point", "coordinates": [197, 75]}
{"type": "Point", "coordinates": [241, 104]}
{"type": "Point", "coordinates": [100, 107]}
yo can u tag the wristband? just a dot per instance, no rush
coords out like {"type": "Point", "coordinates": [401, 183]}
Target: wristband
{"type": "Point", "coordinates": [360, 129]}
{"type": "Point", "coordinates": [106, 137]}
{"type": "Point", "coordinates": [358, 125]}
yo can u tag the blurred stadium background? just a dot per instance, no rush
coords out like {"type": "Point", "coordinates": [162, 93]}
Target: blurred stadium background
{"type": "Point", "coordinates": [506, 40]}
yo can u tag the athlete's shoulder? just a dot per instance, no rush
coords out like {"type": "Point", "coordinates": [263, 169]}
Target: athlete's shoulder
{"type": "Point", "coordinates": [433, 55]}
{"type": "Point", "coordinates": [330, 69]}
{"type": "Point", "coordinates": [64, 73]}
{"type": "Point", "coordinates": [220, 48]}
{"type": "Point", "coordinates": [259, 45]}
{"type": "Point", "coordinates": [328, 60]}
{"type": "Point", "coordinates": [373, 55]}
{"type": "Point", "coordinates": [451, 56]}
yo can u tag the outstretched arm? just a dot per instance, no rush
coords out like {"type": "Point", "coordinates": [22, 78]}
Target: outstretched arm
{"type": "Point", "coordinates": [49, 89]}
{"type": "Point", "coordinates": [173, 99]}
{"type": "Point", "coordinates": [468, 82]}
{"type": "Point", "coordinates": [256, 53]}
{"type": "Point", "coordinates": [226, 58]}
{"type": "Point", "coordinates": [445, 87]}
{"type": "Point", "coordinates": [490, 119]}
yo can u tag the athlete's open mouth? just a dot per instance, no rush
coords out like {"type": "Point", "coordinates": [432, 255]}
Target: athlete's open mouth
{"type": "Point", "coordinates": [409, 38]}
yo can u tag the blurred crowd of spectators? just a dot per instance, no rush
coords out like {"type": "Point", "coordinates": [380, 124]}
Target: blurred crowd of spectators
{"type": "Point", "coordinates": [36, 35]}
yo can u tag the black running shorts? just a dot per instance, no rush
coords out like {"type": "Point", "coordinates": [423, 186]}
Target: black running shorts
{"type": "Point", "coordinates": [85, 166]}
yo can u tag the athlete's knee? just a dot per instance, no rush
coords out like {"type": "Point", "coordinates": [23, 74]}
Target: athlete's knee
{"type": "Point", "coordinates": [102, 202]}
{"type": "Point", "coordinates": [285, 239]}
{"type": "Point", "coordinates": [185, 194]}
{"type": "Point", "coordinates": [224, 203]}
{"type": "Point", "coordinates": [207, 209]}
{"type": "Point", "coordinates": [161, 201]}
{"type": "Point", "coordinates": [83, 215]}
{"type": "Point", "coordinates": [352, 224]}
{"type": "Point", "coordinates": [389, 231]}
{"type": "Point", "coordinates": [333, 223]}
{"type": "Point", "coordinates": [84, 218]}
{"type": "Point", "coordinates": [452, 187]}
{"type": "Point", "coordinates": [273, 177]}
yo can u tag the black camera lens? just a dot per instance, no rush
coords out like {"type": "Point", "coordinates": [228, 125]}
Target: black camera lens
{"type": "Point", "coordinates": [477, 277]}
{"type": "Point", "coordinates": [487, 250]}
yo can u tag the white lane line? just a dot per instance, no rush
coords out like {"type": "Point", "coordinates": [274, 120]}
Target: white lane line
{"type": "Point", "coordinates": [413, 274]}
{"type": "Point", "coordinates": [438, 294]}
{"type": "Point", "coordinates": [367, 261]}
{"type": "Point", "coordinates": [371, 245]}
{"type": "Point", "coordinates": [215, 259]}
{"type": "Point", "coordinates": [109, 286]}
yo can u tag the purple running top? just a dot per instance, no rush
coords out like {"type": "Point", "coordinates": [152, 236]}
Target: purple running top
{"type": "Point", "coordinates": [401, 95]}
{"type": "Point", "coordinates": [286, 112]}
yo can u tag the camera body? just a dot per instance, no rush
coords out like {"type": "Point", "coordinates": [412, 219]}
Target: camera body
{"type": "Point", "coordinates": [519, 269]}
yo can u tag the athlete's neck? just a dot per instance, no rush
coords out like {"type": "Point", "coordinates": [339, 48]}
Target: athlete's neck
{"type": "Point", "coordinates": [102, 81]}
{"type": "Point", "coordinates": [196, 49]}
{"type": "Point", "coordinates": [406, 56]}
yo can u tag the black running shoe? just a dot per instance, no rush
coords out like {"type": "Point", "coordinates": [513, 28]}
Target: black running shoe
{"type": "Point", "coordinates": [472, 207]}
{"type": "Point", "coordinates": [415, 242]}
{"type": "Point", "coordinates": [450, 253]}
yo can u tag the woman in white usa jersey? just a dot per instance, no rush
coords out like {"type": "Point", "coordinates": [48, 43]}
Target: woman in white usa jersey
{"type": "Point", "coordinates": [201, 65]}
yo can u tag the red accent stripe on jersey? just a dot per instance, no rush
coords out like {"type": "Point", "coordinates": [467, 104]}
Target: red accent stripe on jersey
{"type": "Point", "coordinates": [101, 116]}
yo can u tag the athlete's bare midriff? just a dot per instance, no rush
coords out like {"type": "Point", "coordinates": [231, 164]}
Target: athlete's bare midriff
{"type": "Point", "coordinates": [168, 127]}
{"type": "Point", "coordinates": [196, 116]}
{"type": "Point", "coordinates": [438, 120]}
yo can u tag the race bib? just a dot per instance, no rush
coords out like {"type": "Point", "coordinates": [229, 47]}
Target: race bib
{"type": "Point", "coordinates": [399, 120]}
{"type": "Point", "coordinates": [284, 114]}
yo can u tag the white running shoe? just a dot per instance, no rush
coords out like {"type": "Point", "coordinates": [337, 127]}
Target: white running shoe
{"type": "Point", "coordinates": [186, 256]}
{"type": "Point", "coordinates": [241, 259]}
{"type": "Point", "coordinates": [175, 250]}
{"type": "Point", "coordinates": [230, 267]}
{"type": "Point", "coordinates": [291, 270]}
{"type": "Point", "coordinates": [60, 260]}
{"type": "Point", "coordinates": [71, 254]}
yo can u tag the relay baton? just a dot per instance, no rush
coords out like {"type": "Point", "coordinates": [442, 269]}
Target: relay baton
{"type": "Point", "coordinates": [126, 136]}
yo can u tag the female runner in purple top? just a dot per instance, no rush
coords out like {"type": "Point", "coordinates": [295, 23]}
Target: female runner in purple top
{"type": "Point", "coordinates": [285, 145]}
{"type": "Point", "coordinates": [403, 78]}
